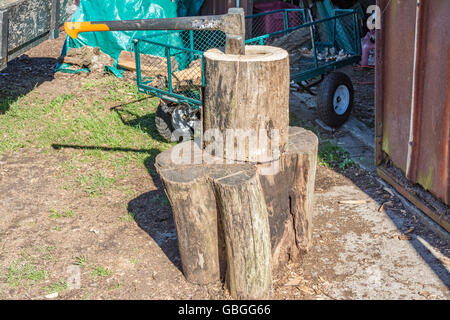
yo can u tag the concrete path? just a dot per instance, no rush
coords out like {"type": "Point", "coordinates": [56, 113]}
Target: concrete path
{"type": "Point", "coordinates": [362, 248]}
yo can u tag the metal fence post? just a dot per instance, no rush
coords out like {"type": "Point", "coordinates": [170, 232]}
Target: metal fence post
{"type": "Point", "coordinates": [54, 20]}
{"type": "Point", "coordinates": [137, 56]}
{"type": "Point", "coordinates": [169, 69]}
{"type": "Point", "coordinates": [4, 25]}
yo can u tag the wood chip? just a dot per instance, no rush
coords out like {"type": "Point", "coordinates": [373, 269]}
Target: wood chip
{"type": "Point", "coordinates": [425, 294]}
{"type": "Point", "coordinates": [52, 295]}
{"type": "Point", "coordinates": [306, 290]}
{"type": "Point", "coordinates": [386, 204]}
{"type": "Point", "coordinates": [389, 191]}
{"type": "Point", "coordinates": [353, 201]}
{"type": "Point", "coordinates": [295, 281]}
{"type": "Point", "coordinates": [402, 237]}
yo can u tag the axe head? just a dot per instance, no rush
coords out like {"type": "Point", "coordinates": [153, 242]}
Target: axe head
{"type": "Point", "coordinates": [233, 25]}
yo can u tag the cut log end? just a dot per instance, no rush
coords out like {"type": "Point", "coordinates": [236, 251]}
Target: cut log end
{"type": "Point", "coordinates": [247, 97]}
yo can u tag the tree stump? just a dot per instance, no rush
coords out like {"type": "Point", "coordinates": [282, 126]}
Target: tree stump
{"type": "Point", "coordinates": [242, 194]}
{"type": "Point", "coordinates": [236, 223]}
{"type": "Point", "coordinates": [247, 97]}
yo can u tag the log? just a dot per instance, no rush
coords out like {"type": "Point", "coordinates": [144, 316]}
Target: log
{"type": "Point", "coordinates": [289, 196]}
{"type": "Point", "coordinates": [245, 223]}
{"type": "Point", "coordinates": [196, 223]}
{"type": "Point", "coordinates": [242, 192]}
{"type": "Point", "coordinates": [240, 222]}
{"type": "Point", "coordinates": [248, 96]}
{"type": "Point", "coordinates": [186, 79]}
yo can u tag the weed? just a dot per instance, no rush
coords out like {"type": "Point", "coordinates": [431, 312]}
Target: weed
{"type": "Point", "coordinates": [22, 270]}
{"type": "Point", "coordinates": [128, 217]}
{"type": "Point", "coordinates": [101, 271]}
{"type": "Point", "coordinates": [81, 261]}
{"type": "Point", "coordinates": [333, 156]}
{"type": "Point", "coordinates": [54, 214]}
{"type": "Point", "coordinates": [330, 155]}
{"type": "Point", "coordinates": [55, 287]}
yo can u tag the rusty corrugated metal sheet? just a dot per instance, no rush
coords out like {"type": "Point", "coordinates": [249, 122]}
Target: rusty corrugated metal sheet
{"type": "Point", "coordinates": [413, 92]}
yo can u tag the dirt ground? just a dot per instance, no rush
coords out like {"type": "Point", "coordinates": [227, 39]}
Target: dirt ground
{"type": "Point", "coordinates": [121, 243]}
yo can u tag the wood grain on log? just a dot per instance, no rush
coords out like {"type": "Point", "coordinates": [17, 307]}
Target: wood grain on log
{"type": "Point", "coordinates": [249, 92]}
{"type": "Point", "coordinates": [289, 197]}
{"type": "Point", "coordinates": [245, 224]}
{"type": "Point", "coordinates": [235, 215]}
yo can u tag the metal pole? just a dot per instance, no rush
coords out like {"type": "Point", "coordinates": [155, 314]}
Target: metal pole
{"type": "Point", "coordinates": [4, 26]}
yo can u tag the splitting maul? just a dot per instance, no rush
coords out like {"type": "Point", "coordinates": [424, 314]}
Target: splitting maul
{"type": "Point", "coordinates": [232, 24]}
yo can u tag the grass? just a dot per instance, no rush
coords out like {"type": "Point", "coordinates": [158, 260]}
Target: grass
{"type": "Point", "coordinates": [55, 287]}
{"type": "Point", "coordinates": [46, 253]}
{"type": "Point", "coordinates": [106, 124]}
{"type": "Point", "coordinates": [101, 271]}
{"type": "Point", "coordinates": [160, 199]}
{"type": "Point", "coordinates": [81, 261]}
{"type": "Point", "coordinates": [54, 214]}
{"type": "Point", "coordinates": [128, 217]}
{"type": "Point", "coordinates": [22, 270]}
{"type": "Point", "coordinates": [333, 156]}
{"type": "Point", "coordinates": [95, 184]}
{"type": "Point", "coordinates": [330, 154]}
{"type": "Point", "coordinates": [118, 285]}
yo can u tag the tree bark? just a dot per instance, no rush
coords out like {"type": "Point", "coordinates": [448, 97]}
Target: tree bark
{"type": "Point", "coordinates": [196, 223]}
{"type": "Point", "coordinates": [289, 197]}
{"type": "Point", "coordinates": [241, 217]}
{"type": "Point", "coordinates": [247, 235]}
{"type": "Point", "coordinates": [248, 97]}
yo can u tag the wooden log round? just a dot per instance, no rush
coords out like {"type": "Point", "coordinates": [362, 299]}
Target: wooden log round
{"type": "Point", "coordinates": [247, 97]}
{"type": "Point", "coordinates": [289, 195]}
{"type": "Point", "coordinates": [241, 217]}
{"type": "Point", "coordinates": [246, 230]}
{"type": "Point", "coordinates": [196, 222]}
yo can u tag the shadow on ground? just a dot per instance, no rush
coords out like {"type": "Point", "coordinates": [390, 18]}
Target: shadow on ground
{"type": "Point", "coordinates": [145, 122]}
{"type": "Point", "coordinates": [151, 210]}
{"type": "Point", "coordinates": [21, 76]}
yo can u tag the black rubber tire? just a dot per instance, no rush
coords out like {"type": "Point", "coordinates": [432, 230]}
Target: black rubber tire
{"type": "Point", "coordinates": [163, 121]}
{"type": "Point", "coordinates": [325, 98]}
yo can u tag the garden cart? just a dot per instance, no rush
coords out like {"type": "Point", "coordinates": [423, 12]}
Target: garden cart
{"type": "Point", "coordinates": [316, 48]}
{"type": "Point", "coordinates": [174, 73]}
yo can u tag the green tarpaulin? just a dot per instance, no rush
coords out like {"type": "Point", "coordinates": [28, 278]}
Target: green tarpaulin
{"type": "Point", "coordinates": [113, 43]}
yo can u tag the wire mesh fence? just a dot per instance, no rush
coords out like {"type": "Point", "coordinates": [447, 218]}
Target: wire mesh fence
{"type": "Point", "coordinates": [263, 28]}
{"type": "Point", "coordinates": [177, 68]}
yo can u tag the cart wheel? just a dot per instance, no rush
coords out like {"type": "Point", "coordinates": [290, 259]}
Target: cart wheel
{"type": "Point", "coordinates": [175, 122]}
{"type": "Point", "coordinates": [163, 120]}
{"type": "Point", "coordinates": [335, 99]}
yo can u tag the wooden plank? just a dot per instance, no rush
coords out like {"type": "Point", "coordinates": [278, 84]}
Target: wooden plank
{"type": "Point", "coordinates": [414, 200]}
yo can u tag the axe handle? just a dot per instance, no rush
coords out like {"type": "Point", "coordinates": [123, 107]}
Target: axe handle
{"type": "Point", "coordinates": [232, 24]}
{"type": "Point", "coordinates": [185, 23]}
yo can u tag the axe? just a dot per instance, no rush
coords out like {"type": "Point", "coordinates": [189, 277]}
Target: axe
{"type": "Point", "coordinates": [232, 24]}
